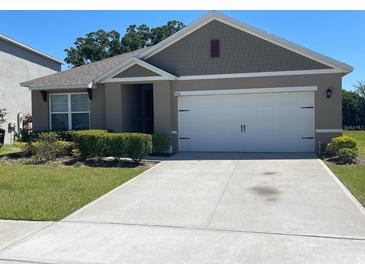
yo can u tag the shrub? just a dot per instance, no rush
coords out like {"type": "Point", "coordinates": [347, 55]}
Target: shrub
{"type": "Point", "coordinates": [46, 151]}
{"type": "Point", "coordinates": [49, 147]}
{"type": "Point", "coordinates": [89, 142]}
{"type": "Point", "coordinates": [340, 142]}
{"type": "Point", "coordinates": [160, 143]}
{"type": "Point", "coordinates": [347, 155]}
{"type": "Point", "coordinates": [76, 153]}
{"type": "Point", "coordinates": [66, 135]}
{"type": "Point", "coordinates": [25, 148]}
{"type": "Point", "coordinates": [137, 145]}
{"type": "Point", "coordinates": [101, 144]}
{"type": "Point", "coordinates": [25, 136]}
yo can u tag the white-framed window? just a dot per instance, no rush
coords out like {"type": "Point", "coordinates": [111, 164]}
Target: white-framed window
{"type": "Point", "coordinates": [69, 111]}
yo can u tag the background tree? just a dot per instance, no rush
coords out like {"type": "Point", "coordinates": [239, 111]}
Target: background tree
{"type": "Point", "coordinates": [161, 33]}
{"type": "Point", "coordinates": [360, 88]}
{"type": "Point", "coordinates": [99, 45]}
{"type": "Point", "coordinates": [93, 47]}
{"type": "Point", "coordinates": [136, 37]}
{"type": "Point", "coordinates": [353, 109]}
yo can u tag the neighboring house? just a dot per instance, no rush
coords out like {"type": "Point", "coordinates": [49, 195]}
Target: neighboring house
{"type": "Point", "coordinates": [19, 63]}
{"type": "Point", "coordinates": [216, 85]}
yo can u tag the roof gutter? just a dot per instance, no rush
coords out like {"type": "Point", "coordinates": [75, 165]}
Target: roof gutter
{"type": "Point", "coordinates": [91, 85]}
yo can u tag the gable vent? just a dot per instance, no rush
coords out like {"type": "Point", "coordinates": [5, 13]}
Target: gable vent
{"type": "Point", "coordinates": [214, 48]}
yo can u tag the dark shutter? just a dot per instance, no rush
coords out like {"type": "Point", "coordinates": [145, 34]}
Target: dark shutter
{"type": "Point", "coordinates": [214, 48]}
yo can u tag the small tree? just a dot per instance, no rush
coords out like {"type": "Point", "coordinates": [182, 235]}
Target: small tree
{"type": "Point", "coordinates": [360, 88]}
{"type": "Point", "coordinates": [2, 116]}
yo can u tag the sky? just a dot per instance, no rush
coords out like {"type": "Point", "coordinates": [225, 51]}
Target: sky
{"type": "Point", "coordinates": [338, 34]}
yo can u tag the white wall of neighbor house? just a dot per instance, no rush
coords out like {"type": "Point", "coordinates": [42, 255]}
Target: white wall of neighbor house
{"type": "Point", "coordinates": [14, 69]}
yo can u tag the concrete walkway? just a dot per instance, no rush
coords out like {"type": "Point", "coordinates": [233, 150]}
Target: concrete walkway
{"type": "Point", "coordinates": [211, 208]}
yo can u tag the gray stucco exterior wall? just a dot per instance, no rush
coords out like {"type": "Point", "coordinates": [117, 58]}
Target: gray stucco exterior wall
{"type": "Point", "coordinates": [162, 108]}
{"type": "Point", "coordinates": [39, 112]}
{"type": "Point", "coordinates": [97, 108]}
{"type": "Point", "coordinates": [19, 65]}
{"type": "Point", "coordinates": [26, 55]}
{"type": "Point", "coordinates": [240, 52]}
{"type": "Point", "coordinates": [113, 110]}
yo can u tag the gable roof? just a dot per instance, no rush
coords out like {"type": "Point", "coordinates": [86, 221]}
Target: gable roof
{"type": "Point", "coordinates": [135, 61]}
{"type": "Point", "coordinates": [213, 15]}
{"type": "Point", "coordinates": [80, 77]}
{"type": "Point", "coordinates": [87, 76]}
{"type": "Point", "coordinates": [23, 46]}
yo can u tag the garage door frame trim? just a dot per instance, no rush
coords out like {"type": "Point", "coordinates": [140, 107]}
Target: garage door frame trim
{"type": "Point", "coordinates": [247, 91]}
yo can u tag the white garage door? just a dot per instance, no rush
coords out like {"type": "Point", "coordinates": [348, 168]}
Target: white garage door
{"type": "Point", "coordinates": [260, 122]}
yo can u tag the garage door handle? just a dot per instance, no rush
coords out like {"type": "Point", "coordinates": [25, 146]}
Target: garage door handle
{"type": "Point", "coordinates": [243, 128]}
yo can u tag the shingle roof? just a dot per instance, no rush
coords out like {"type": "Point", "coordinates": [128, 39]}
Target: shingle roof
{"type": "Point", "coordinates": [80, 77]}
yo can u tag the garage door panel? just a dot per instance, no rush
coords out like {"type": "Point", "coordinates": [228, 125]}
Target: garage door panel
{"type": "Point", "coordinates": [274, 122]}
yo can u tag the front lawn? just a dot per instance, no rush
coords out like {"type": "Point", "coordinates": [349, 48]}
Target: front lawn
{"type": "Point", "coordinates": [37, 192]}
{"type": "Point", "coordinates": [353, 176]}
{"type": "Point", "coordinates": [8, 149]}
{"type": "Point", "coordinates": [359, 136]}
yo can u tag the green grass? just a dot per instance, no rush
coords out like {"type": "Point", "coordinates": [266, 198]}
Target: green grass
{"type": "Point", "coordinates": [353, 176]}
{"type": "Point", "coordinates": [359, 136]}
{"type": "Point", "coordinates": [29, 192]}
{"type": "Point", "coordinates": [8, 149]}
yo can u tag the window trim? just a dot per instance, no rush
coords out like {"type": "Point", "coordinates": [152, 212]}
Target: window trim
{"type": "Point", "coordinates": [69, 112]}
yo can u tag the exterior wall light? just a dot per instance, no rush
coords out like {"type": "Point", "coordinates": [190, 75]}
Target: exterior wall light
{"type": "Point", "coordinates": [329, 93]}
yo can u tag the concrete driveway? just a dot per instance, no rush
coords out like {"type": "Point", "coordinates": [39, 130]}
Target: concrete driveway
{"type": "Point", "coordinates": [211, 208]}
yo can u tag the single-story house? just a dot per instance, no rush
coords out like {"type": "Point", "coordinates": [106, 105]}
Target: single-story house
{"type": "Point", "coordinates": [19, 63]}
{"type": "Point", "coordinates": [216, 85]}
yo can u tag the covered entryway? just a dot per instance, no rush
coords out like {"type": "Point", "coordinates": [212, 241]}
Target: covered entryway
{"type": "Point", "coordinates": [260, 120]}
{"type": "Point", "coordinates": [137, 108]}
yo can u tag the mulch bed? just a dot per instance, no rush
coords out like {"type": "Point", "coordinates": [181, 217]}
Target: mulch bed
{"type": "Point", "coordinates": [72, 162]}
{"type": "Point", "coordinates": [337, 161]}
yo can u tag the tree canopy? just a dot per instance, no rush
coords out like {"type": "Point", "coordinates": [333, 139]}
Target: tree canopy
{"type": "Point", "coordinates": [353, 108]}
{"type": "Point", "coordinates": [360, 88]}
{"type": "Point", "coordinates": [98, 45]}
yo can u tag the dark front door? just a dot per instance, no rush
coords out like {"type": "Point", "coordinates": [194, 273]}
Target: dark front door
{"type": "Point", "coordinates": [147, 108]}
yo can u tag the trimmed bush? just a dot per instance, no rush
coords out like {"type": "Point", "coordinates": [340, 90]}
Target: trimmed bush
{"type": "Point", "coordinates": [347, 155]}
{"type": "Point", "coordinates": [160, 143]}
{"type": "Point", "coordinates": [101, 143]}
{"type": "Point", "coordinates": [340, 142]}
{"type": "Point", "coordinates": [90, 142]}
